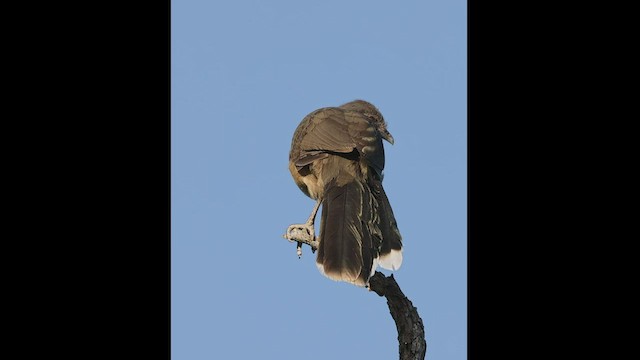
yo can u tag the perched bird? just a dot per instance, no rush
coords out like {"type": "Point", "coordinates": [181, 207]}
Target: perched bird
{"type": "Point", "coordinates": [337, 158]}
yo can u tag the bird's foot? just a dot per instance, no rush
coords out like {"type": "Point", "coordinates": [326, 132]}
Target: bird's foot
{"type": "Point", "coordinates": [302, 233]}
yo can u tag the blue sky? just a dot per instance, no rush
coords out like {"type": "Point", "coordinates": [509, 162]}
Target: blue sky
{"type": "Point", "coordinates": [243, 75]}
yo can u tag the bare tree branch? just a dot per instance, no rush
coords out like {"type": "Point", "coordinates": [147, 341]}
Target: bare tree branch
{"type": "Point", "coordinates": [412, 343]}
{"type": "Point", "coordinates": [411, 340]}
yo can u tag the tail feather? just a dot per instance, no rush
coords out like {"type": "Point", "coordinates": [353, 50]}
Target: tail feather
{"type": "Point", "coordinates": [345, 249]}
{"type": "Point", "coordinates": [390, 256]}
{"type": "Point", "coordinates": [358, 232]}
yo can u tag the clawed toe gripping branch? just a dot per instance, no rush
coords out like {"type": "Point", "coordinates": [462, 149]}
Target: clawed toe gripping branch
{"type": "Point", "coordinates": [302, 234]}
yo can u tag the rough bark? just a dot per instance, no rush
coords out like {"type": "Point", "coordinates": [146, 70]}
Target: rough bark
{"type": "Point", "coordinates": [411, 340]}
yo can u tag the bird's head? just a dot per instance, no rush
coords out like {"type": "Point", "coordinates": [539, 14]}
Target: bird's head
{"type": "Point", "coordinates": [372, 113]}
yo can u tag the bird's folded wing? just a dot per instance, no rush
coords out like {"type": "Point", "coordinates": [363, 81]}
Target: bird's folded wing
{"type": "Point", "coordinates": [334, 130]}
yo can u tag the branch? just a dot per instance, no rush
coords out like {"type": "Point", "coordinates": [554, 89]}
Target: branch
{"type": "Point", "coordinates": [412, 343]}
{"type": "Point", "coordinates": [409, 324]}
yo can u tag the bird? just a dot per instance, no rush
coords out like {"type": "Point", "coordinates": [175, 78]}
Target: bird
{"type": "Point", "coordinates": [337, 158]}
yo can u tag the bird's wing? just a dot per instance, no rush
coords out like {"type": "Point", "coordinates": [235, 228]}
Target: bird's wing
{"type": "Point", "coordinates": [334, 130]}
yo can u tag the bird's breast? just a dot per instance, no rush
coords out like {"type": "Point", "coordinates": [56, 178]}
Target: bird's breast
{"type": "Point", "coordinates": [307, 181]}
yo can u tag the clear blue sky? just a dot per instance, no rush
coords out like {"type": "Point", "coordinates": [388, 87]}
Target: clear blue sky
{"type": "Point", "coordinates": [243, 75]}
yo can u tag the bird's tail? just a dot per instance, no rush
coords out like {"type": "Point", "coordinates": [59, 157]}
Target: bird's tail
{"type": "Point", "coordinates": [345, 249]}
{"type": "Point", "coordinates": [357, 232]}
{"type": "Point", "coordinates": [390, 255]}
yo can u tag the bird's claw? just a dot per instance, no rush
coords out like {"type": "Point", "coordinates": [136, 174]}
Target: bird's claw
{"type": "Point", "coordinates": [301, 233]}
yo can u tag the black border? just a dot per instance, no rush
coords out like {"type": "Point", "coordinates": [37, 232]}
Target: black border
{"type": "Point", "coordinates": [117, 304]}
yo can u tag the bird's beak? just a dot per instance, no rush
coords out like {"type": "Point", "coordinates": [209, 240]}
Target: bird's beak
{"type": "Point", "coordinates": [387, 136]}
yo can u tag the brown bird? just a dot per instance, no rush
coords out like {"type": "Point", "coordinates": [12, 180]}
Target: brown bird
{"type": "Point", "coordinates": [337, 158]}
